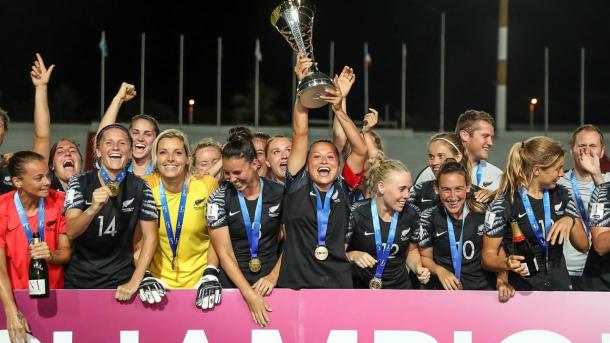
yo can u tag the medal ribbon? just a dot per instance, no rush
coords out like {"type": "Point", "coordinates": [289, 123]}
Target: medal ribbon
{"type": "Point", "coordinates": [173, 239]}
{"type": "Point", "coordinates": [479, 173]}
{"type": "Point", "coordinates": [24, 219]}
{"type": "Point", "coordinates": [323, 213]}
{"type": "Point", "coordinates": [107, 178]}
{"type": "Point", "coordinates": [540, 236]}
{"type": "Point", "coordinates": [580, 203]}
{"type": "Point", "coordinates": [382, 253]}
{"type": "Point", "coordinates": [456, 248]}
{"type": "Point", "coordinates": [252, 228]}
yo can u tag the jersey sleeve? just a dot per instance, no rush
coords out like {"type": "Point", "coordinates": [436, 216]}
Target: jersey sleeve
{"type": "Point", "coordinates": [599, 206]}
{"type": "Point", "coordinates": [413, 222]}
{"type": "Point", "coordinates": [148, 211]}
{"type": "Point", "coordinates": [354, 217]}
{"type": "Point", "coordinates": [414, 196]}
{"type": "Point", "coordinates": [74, 195]}
{"type": "Point", "coordinates": [567, 198]}
{"type": "Point", "coordinates": [350, 177]}
{"type": "Point", "coordinates": [425, 228]}
{"type": "Point", "coordinates": [295, 182]}
{"type": "Point", "coordinates": [497, 217]}
{"type": "Point", "coordinates": [216, 213]}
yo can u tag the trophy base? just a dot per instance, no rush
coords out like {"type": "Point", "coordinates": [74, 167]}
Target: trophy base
{"type": "Point", "coordinates": [311, 88]}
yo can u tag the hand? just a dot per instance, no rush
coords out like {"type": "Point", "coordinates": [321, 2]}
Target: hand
{"type": "Point", "coordinates": [302, 67]}
{"type": "Point", "coordinates": [265, 284]}
{"type": "Point", "coordinates": [423, 275]}
{"type": "Point", "coordinates": [560, 230]}
{"type": "Point", "coordinates": [258, 308]}
{"type": "Point", "coordinates": [484, 195]}
{"type": "Point", "coordinates": [514, 264]}
{"type": "Point", "coordinates": [345, 80]}
{"type": "Point", "coordinates": [361, 259]}
{"type": "Point", "coordinates": [125, 291]}
{"type": "Point", "coordinates": [126, 92]}
{"type": "Point", "coordinates": [17, 326]}
{"type": "Point", "coordinates": [370, 120]}
{"type": "Point", "coordinates": [152, 290]}
{"type": "Point", "coordinates": [333, 96]}
{"type": "Point", "coordinates": [100, 198]}
{"type": "Point", "coordinates": [40, 74]}
{"type": "Point", "coordinates": [40, 250]}
{"type": "Point", "coordinates": [209, 290]}
{"type": "Point", "coordinates": [589, 162]}
{"type": "Point", "coordinates": [505, 290]}
{"type": "Point", "coordinates": [448, 280]}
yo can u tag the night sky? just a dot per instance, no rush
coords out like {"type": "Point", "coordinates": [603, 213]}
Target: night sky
{"type": "Point", "coordinates": [67, 34]}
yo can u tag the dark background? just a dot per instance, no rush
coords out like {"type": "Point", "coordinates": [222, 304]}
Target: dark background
{"type": "Point", "coordinates": [67, 34]}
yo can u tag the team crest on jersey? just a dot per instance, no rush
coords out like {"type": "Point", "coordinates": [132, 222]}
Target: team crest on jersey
{"type": "Point", "coordinates": [7, 181]}
{"type": "Point", "coordinates": [199, 203]}
{"type": "Point", "coordinates": [481, 229]}
{"type": "Point", "coordinates": [273, 211]}
{"type": "Point", "coordinates": [487, 183]}
{"type": "Point", "coordinates": [404, 235]}
{"type": "Point", "coordinates": [335, 197]}
{"type": "Point", "coordinates": [127, 205]}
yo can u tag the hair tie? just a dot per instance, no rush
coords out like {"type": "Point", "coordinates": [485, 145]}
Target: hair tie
{"type": "Point", "coordinates": [111, 126]}
{"type": "Point", "coordinates": [450, 143]}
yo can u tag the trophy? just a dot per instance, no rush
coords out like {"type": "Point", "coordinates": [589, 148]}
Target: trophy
{"type": "Point", "coordinates": [294, 20]}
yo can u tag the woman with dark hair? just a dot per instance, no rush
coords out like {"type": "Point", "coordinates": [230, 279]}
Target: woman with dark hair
{"type": "Point", "coordinates": [244, 220]}
{"type": "Point", "coordinates": [382, 231]}
{"type": "Point", "coordinates": [451, 236]}
{"type": "Point", "coordinates": [32, 208]}
{"type": "Point", "coordinates": [64, 157]}
{"type": "Point", "coordinates": [531, 207]}
{"type": "Point", "coordinates": [103, 210]}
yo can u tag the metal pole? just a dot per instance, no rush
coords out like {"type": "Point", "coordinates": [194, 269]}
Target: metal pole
{"type": "Point", "coordinates": [546, 90]}
{"type": "Point", "coordinates": [403, 93]}
{"type": "Point", "coordinates": [532, 106]}
{"type": "Point", "coordinates": [442, 90]}
{"type": "Point", "coordinates": [502, 62]}
{"type": "Point", "coordinates": [332, 74]}
{"type": "Point", "coordinates": [142, 70]}
{"type": "Point", "coordinates": [181, 81]}
{"type": "Point", "coordinates": [102, 76]}
{"type": "Point", "coordinates": [366, 77]}
{"type": "Point", "coordinates": [256, 84]}
{"type": "Point", "coordinates": [582, 86]}
{"type": "Point", "coordinates": [218, 82]}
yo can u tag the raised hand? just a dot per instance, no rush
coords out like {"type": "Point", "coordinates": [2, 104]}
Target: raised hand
{"type": "Point", "coordinates": [345, 80]}
{"type": "Point", "coordinates": [40, 74]}
{"type": "Point", "coordinates": [302, 67]}
{"type": "Point", "coordinates": [589, 161]}
{"type": "Point", "coordinates": [370, 120]}
{"type": "Point", "coordinates": [333, 96]}
{"type": "Point", "coordinates": [126, 92]}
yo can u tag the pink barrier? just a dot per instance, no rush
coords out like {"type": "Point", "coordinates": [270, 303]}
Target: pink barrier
{"type": "Point", "coordinates": [323, 316]}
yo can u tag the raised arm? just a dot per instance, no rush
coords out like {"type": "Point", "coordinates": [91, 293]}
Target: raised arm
{"type": "Point", "coordinates": [370, 120]}
{"type": "Point", "coordinates": [300, 128]}
{"type": "Point", "coordinates": [42, 116]}
{"type": "Point", "coordinates": [126, 92]}
{"type": "Point", "coordinates": [345, 81]}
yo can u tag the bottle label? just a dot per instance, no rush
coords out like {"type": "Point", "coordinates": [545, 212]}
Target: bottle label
{"type": "Point", "coordinates": [527, 270]}
{"type": "Point", "coordinates": [37, 287]}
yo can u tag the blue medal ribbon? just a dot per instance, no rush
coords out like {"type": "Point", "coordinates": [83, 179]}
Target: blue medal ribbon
{"type": "Point", "coordinates": [252, 228]}
{"type": "Point", "coordinates": [323, 213]}
{"type": "Point", "coordinates": [580, 203]}
{"type": "Point", "coordinates": [382, 253]}
{"type": "Point", "coordinates": [174, 239]}
{"type": "Point", "coordinates": [149, 169]}
{"type": "Point", "coordinates": [107, 178]}
{"type": "Point", "coordinates": [540, 236]}
{"type": "Point", "coordinates": [456, 248]}
{"type": "Point", "coordinates": [24, 219]}
{"type": "Point", "coordinates": [479, 173]}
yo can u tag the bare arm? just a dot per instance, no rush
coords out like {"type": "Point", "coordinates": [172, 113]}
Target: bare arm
{"type": "Point", "coordinates": [300, 127]}
{"type": "Point", "coordinates": [15, 322]}
{"type": "Point", "coordinates": [42, 116]}
{"type": "Point", "coordinates": [601, 239]}
{"type": "Point", "coordinates": [58, 257]}
{"type": "Point", "coordinates": [578, 236]}
{"type": "Point", "coordinates": [126, 92]}
{"type": "Point", "coordinates": [212, 256]}
{"type": "Point", "coordinates": [447, 279]}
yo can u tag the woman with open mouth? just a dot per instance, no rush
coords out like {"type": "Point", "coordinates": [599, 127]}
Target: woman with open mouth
{"type": "Point", "coordinates": [103, 209]}
{"type": "Point", "coordinates": [184, 257]}
{"type": "Point", "coordinates": [382, 231]}
{"type": "Point", "coordinates": [142, 128]}
{"type": "Point", "coordinates": [64, 157]}
{"type": "Point", "coordinates": [278, 150]}
{"type": "Point", "coordinates": [441, 146]}
{"type": "Point", "coordinates": [32, 208]}
{"type": "Point", "coordinates": [244, 219]}
{"type": "Point", "coordinates": [451, 237]}
{"type": "Point", "coordinates": [530, 206]}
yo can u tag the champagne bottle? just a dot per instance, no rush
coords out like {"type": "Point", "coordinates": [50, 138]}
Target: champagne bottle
{"type": "Point", "coordinates": [39, 274]}
{"type": "Point", "coordinates": [523, 248]}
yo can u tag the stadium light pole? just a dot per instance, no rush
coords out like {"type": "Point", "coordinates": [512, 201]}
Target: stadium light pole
{"type": "Point", "coordinates": [533, 103]}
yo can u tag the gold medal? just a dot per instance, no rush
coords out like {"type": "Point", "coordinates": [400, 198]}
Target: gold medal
{"type": "Point", "coordinates": [255, 265]}
{"type": "Point", "coordinates": [321, 253]}
{"type": "Point", "coordinates": [114, 188]}
{"type": "Point", "coordinates": [375, 283]}
{"type": "Point", "coordinates": [173, 263]}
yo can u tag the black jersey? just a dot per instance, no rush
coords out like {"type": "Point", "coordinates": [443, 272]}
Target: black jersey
{"type": "Point", "coordinates": [499, 214]}
{"type": "Point", "coordinates": [55, 183]}
{"type": "Point", "coordinates": [597, 269]}
{"type": "Point", "coordinates": [300, 268]}
{"type": "Point", "coordinates": [434, 233]}
{"type": "Point", "coordinates": [423, 195]}
{"type": "Point", "coordinates": [224, 210]}
{"type": "Point", "coordinates": [361, 237]}
{"type": "Point", "coordinates": [102, 256]}
{"type": "Point", "coordinates": [6, 185]}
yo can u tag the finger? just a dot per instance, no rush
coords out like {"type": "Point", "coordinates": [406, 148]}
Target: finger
{"type": "Point", "coordinates": [269, 290]}
{"type": "Point", "coordinates": [40, 61]}
{"type": "Point", "coordinates": [211, 302]}
{"type": "Point", "coordinates": [205, 304]}
{"type": "Point", "coordinates": [142, 295]}
{"type": "Point", "coordinates": [156, 296]}
{"type": "Point", "coordinates": [51, 69]}
{"type": "Point", "coordinates": [218, 295]}
{"type": "Point", "coordinates": [117, 294]}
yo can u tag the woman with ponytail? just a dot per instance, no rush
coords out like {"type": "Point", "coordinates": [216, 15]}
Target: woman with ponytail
{"type": "Point", "coordinates": [382, 230]}
{"type": "Point", "coordinates": [530, 207]}
{"type": "Point", "coordinates": [244, 217]}
{"type": "Point", "coordinates": [451, 236]}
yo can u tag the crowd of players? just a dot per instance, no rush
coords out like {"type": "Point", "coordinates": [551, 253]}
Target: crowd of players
{"type": "Point", "coordinates": [258, 212]}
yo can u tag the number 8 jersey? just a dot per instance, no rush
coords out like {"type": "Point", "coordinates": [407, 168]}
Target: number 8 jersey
{"type": "Point", "coordinates": [102, 256]}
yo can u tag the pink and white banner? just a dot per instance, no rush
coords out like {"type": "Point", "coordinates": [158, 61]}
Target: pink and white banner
{"type": "Point", "coordinates": [332, 316]}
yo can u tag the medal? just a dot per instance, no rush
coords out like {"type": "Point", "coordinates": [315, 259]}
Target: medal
{"type": "Point", "coordinates": [255, 265]}
{"type": "Point", "coordinates": [115, 188]}
{"type": "Point", "coordinates": [174, 263]}
{"type": "Point", "coordinates": [375, 283]}
{"type": "Point", "coordinates": [321, 253]}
